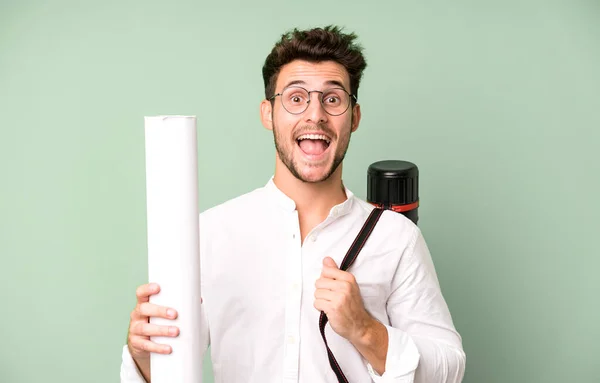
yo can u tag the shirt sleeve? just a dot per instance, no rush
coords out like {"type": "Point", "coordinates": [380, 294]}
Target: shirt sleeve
{"type": "Point", "coordinates": [400, 348]}
{"type": "Point", "coordinates": [423, 344]}
{"type": "Point", "coordinates": [129, 371]}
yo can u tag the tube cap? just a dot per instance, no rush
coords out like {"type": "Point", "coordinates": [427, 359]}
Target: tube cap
{"type": "Point", "coordinates": [392, 182]}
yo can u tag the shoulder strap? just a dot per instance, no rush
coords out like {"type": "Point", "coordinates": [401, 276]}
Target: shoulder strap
{"type": "Point", "coordinates": [349, 259]}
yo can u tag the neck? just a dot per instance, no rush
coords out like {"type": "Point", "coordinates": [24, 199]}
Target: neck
{"type": "Point", "coordinates": [313, 200]}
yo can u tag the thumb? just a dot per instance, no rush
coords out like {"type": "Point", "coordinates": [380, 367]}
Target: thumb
{"type": "Point", "coordinates": [328, 261]}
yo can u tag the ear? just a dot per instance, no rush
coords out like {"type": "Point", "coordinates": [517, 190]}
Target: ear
{"type": "Point", "coordinates": [355, 117]}
{"type": "Point", "coordinates": [266, 114]}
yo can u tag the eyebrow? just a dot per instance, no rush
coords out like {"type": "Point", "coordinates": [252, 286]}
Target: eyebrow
{"type": "Point", "coordinates": [301, 82]}
{"type": "Point", "coordinates": [295, 82]}
{"type": "Point", "coordinates": [337, 83]}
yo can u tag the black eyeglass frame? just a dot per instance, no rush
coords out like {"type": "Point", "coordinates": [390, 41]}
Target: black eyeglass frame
{"type": "Point", "coordinates": [350, 97]}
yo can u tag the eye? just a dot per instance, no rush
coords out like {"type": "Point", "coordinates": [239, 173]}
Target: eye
{"type": "Point", "coordinates": [332, 99]}
{"type": "Point", "coordinates": [296, 98]}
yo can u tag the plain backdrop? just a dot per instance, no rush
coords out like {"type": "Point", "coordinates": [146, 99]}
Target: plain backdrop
{"type": "Point", "coordinates": [497, 102]}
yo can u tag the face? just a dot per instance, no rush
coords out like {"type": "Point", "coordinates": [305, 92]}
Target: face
{"type": "Point", "coordinates": [311, 145]}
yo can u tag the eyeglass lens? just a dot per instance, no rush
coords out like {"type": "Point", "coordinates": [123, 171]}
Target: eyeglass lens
{"type": "Point", "coordinates": [335, 101]}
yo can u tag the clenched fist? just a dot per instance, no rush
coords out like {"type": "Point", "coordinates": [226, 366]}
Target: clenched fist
{"type": "Point", "coordinates": [338, 295]}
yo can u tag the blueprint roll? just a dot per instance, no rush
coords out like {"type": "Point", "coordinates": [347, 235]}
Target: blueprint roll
{"type": "Point", "coordinates": [173, 243]}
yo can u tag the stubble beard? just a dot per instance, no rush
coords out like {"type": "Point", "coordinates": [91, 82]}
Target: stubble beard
{"type": "Point", "coordinates": [286, 156]}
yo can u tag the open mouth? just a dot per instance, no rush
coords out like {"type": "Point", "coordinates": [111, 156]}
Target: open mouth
{"type": "Point", "coordinates": [313, 144]}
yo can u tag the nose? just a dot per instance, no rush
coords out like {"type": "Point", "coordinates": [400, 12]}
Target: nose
{"type": "Point", "coordinates": [315, 112]}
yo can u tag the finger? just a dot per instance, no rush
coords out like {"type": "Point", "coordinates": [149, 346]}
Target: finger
{"type": "Point", "coordinates": [322, 305]}
{"type": "Point", "coordinates": [333, 273]}
{"type": "Point", "coordinates": [329, 262]}
{"type": "Point", "coordinates": [329, 284]}
{"type": "Point", "coordinates": [149, 329]}
{"type": "Point", "coordinates": [152, 310]}
{"type": "Point", "coordinates": [326, 295]}
{"type": "Point", "coordinates": [143, 292]}
{"type": "Point", "coordinates": [143, 344]}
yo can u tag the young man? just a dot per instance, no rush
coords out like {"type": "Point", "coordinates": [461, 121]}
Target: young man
{"type": "Point", "coordinates": [270, 258]}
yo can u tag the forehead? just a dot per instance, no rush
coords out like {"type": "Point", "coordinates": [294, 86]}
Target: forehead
{"type": "Point", "coordinates": [314, 75]}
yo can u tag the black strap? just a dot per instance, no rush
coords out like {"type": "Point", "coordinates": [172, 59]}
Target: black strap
{"type": "Point", "coordinates": [349, 259]}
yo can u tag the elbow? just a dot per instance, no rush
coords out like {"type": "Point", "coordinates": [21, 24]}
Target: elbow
{"type": "Point", "coordinates": [453, 365]}
{"type": "Point", "coordinates": [441, 363]}
{"type": "Point", "coordinates": [458, 365]}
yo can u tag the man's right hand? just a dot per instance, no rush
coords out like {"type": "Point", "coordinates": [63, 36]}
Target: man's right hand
{"type": "Point", "coordinates": [140, 329]}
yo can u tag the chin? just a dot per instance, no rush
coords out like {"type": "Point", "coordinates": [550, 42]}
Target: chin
{"type": "Point", "coordinates": [314, 174]}
{"type": "Point", "coordinates": [313, 179]}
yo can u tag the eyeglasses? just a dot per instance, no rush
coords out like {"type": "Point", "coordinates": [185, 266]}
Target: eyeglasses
{"type": "Point", "coordinates": [295, 100]}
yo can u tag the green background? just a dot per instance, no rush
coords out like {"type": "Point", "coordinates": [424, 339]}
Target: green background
{"type": "Point", "coordinates": [498, 103]}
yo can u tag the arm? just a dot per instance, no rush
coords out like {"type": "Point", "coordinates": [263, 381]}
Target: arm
{"type": "Point", "coordinates": [338, 295]}
{"type": "Point", "coordinates": [424, 346]}
{"type": "Point", "coordinates": [420, 345]}
{"type": "Point", "coordinates": [373, 345]}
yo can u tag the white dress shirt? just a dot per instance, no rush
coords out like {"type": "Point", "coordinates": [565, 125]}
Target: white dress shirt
{"type": "Point", "coordinates": [258, 284]}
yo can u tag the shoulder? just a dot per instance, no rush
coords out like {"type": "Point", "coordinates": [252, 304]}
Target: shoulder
{"type": "Point", "coordinates": [231, 218]}
{"type": "Point", "coordinates": [392, 228]}
{"type": "Point", "coordinates": [390, 219]}
{"type": "Point", "coordinates": [243, 204]}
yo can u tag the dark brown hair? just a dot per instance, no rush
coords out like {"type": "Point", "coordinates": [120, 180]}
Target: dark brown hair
{"type": "Point", "coordinates": [315, 45]}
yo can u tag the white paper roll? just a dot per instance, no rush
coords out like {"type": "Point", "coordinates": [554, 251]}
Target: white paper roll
{"type": "Point", "coordinates": [173, 242]}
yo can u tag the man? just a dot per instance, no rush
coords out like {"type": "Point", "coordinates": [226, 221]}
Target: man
{"type": "Point", "coordinates": [270, 258]}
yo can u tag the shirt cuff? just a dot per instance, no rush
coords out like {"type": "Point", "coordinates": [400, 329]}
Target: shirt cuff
{"type": "Point", "coordinates": [401, 360]}
{"type": "Point", "coordinates": [129, 371]}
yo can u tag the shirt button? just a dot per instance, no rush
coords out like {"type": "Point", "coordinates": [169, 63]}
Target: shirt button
{"type": "Point", "coordinates": [295, 286]}
{"type": "Point", "coordinates": [291, 339]}
{"type": "Point", "coordinates": [313, 238]}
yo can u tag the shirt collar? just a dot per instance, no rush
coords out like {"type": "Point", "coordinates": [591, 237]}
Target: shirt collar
{"type": "Point", "coordinates": [288, 204]}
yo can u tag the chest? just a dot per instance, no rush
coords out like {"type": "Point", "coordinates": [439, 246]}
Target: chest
{"type": "Point", "coordinates": [267, 269]}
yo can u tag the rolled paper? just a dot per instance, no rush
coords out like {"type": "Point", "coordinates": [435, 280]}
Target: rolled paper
{"type": "Point", "coordinates": [173, 243]}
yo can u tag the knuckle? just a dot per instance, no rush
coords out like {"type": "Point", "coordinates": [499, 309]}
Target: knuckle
{"type": "Point", "coordinates": [133, 328]}
{"type": "Point", "coordinates": [138, 328]}
{"type": "Point", "coordinates": [139, 291]}
{"type": "Point", "coordinates": [136, 344]}
{"type": "Point", "coordinates": [143, 309]}
{"type": "Point", "coordinates": [144, 346]}
{"type": "Point", "coordinates": [347, 288]}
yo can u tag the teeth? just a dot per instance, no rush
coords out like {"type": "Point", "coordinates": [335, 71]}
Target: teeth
{"type": "Point", "coordinates": [313, 137]}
